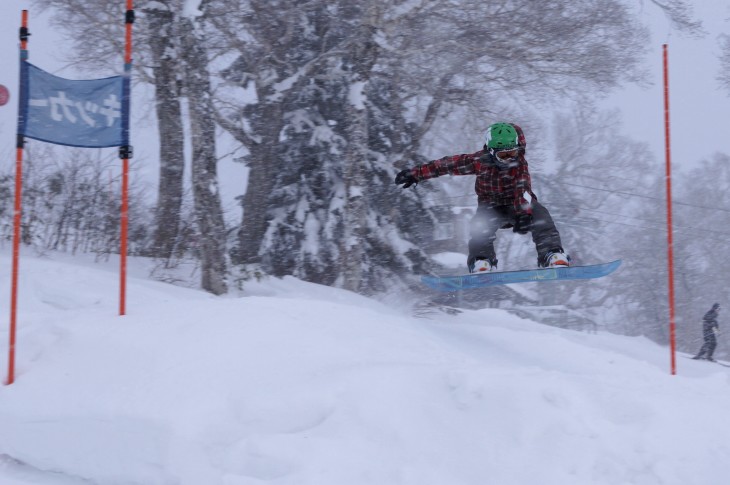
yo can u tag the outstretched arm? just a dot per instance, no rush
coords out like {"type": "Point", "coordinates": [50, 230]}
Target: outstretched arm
{"type": "Point", "coordinates": [464, 164]}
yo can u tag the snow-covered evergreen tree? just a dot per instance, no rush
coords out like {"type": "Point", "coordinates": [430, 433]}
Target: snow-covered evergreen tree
{"type": "Point", "coordinates": [326, 83]}
{"type": "Point", "coordinates": [328, 207]}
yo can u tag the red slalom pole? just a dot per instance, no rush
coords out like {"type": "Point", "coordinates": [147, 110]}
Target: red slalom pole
{"type": "Point", "coordinates": [123, 237]}
{"type": "Point", "coordinates": [670, 242]}
{"type": "Point", "coordinates": [17, 210]}
{"type": "Point", "coordinates": [125, 153]}
{"type": "Point", "coordinates": [16, 259]}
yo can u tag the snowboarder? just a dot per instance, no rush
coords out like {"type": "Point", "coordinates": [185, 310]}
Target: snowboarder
{"type": "Point", "coordinates": [504, 195]}
{"type": "Point", "coordinates": [709, 331]}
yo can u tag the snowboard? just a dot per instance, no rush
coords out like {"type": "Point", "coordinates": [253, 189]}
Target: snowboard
{"type": "Point", "coordinates": [724, 364]}
{"type": "Point", "coordinates": [483, 280]}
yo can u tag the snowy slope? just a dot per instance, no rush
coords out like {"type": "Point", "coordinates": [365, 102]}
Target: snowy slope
{"type": "Point", "coordinates": [294, 383]}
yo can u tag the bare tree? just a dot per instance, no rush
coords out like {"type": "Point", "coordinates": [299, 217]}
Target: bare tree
{"type": "Point", "coordinates": [608, 201]}
{"type": "Point", "coordinates": [679, 13]}
{"type": "Point", "coordinates": [156, 53]}
{"type": "Point", "coordinates": [71, 203]}
{"type": "Point", "coordinates": [724, 75]}
{"type": "Point", "coordinates": [162, 19]}
{"type": "Point", "coordinates": [161, 61]}
{"type": "Point", "coordinates": [206, 194]}
{"type": "Point", "coordinates": [701, 219]}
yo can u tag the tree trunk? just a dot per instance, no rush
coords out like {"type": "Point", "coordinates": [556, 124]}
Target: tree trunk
{"type": "Point", "coordinates": [206, 195]}
{"type": "Point", "coordinates": [169, 121]}
{"type": "Point", "coordinates": [261, 182]}
{"type": "Point", "coordinates": [352, 247]}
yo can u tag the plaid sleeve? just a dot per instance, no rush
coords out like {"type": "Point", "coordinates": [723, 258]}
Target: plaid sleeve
{"type": "Point", "coordinates": [454, 165]}
{"type": "Point", "coordinates": [523, 185]}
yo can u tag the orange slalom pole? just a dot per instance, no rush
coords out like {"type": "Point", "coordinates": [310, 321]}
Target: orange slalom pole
{"type": "Point", "coordinates": [17, 211]}
{"type": "Point", "coordinates": [670, 239]}
{"type": "Point", "coordinates": [124, 222]}
{"type": "Point", "coordinates": [16, 259]}
{"type": "Point", "coordinates": [123, 237]}
{"type": "Point", "coordinates": [128, 34]}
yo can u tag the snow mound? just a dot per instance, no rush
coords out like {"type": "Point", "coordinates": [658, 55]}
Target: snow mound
{"type": "Point", "coordinates": [295, 383]}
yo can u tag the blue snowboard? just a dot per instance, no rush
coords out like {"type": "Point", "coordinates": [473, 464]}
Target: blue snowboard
{"type": "Point", "coordinates": [482, 280]}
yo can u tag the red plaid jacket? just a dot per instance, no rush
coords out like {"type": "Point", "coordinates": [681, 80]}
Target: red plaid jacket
{"type": "Point", "coordinates": [493, 187]}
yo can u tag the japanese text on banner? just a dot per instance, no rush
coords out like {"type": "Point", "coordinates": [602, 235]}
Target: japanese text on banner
{"type": "Point", "coordinates": [84, 113]}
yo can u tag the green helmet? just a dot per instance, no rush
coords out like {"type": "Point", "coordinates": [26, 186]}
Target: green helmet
{"type": "Point", "coordinates": [502, 136]}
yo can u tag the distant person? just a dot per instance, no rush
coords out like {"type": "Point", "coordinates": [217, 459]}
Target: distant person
{"type": "Point", "coordinates": [709, 331]}
{"type": "Point", "coordinates": [504, 196]}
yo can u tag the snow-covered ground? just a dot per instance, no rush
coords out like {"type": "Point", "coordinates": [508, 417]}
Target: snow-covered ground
{"type": "Point", "coordinates": [294, 383]}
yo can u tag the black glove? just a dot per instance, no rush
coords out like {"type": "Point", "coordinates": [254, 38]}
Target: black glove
{"type": "Point", "coordinates": [406, 178]}
{"type": "Point", "coordinates": [523, 224]}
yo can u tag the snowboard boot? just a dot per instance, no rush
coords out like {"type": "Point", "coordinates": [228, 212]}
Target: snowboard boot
{"type": "Point", "coordinates": [555, 259]}
{"type": "Point", "coordinates": [481, 265]}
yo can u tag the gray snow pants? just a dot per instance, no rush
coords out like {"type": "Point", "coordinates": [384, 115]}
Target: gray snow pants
{"type": "Point", "coordinates": [708, 348]}
{"type": "Point", "coordinates": [489, 219]}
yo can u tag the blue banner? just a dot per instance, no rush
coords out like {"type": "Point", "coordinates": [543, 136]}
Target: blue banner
{"type": "Point", "coordinates": [84, 113]}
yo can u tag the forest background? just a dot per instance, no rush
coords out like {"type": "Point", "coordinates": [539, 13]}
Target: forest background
{"type": "Point", "coordinates": [267, 135]}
